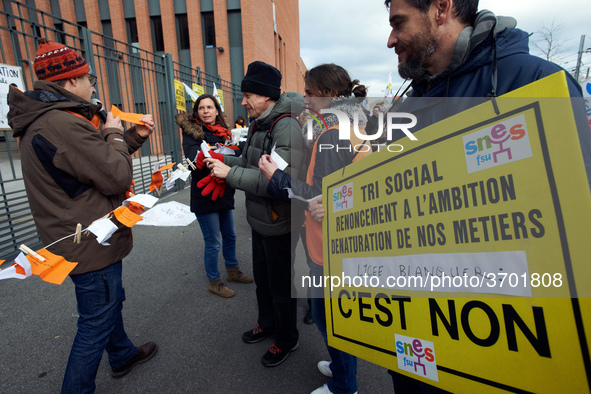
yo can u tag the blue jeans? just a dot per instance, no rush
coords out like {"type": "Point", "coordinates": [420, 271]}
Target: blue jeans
{"type": "Point", "coordinates": [343, 365]}
{"type": "Point", "coordinates": [212, 224]}
{"type": "Point", "coordinates": [100, 297]}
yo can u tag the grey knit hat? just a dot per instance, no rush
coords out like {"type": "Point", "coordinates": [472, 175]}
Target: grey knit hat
{"type": "Point", "coordinates": [262, 79]}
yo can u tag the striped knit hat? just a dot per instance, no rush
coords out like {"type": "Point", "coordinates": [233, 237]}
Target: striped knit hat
{"type": "Point", "coordinates": [55, 61]}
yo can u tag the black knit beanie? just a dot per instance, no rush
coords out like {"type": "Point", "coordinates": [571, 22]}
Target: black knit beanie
{"type": "Point", "coordinates": [262, 79]}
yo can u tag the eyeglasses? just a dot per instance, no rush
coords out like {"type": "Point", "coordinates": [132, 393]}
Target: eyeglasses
{"type": "Point", "coordinates": [91, 79]}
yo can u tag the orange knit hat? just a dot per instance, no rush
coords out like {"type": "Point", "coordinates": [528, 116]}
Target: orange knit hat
{"type": "Point", "coordinates": [55, 61]}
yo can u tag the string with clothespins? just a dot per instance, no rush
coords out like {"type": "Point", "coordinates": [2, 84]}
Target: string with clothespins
{"type": "Point", "coordinates": [77, 235]}
{"type": "Point", "coordinates": [191, 164]}
{"type": "Point", "coordinates": [26, 250]}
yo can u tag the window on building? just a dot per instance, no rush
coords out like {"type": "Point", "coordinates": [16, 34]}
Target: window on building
{"type": "Point", "coordinates": [36, 30]}
{"type": "Point", "coordinates": [132, 36]}
{"type": "Point", "coordinates": [182, 27]}
{"type": "Point", "coordinates": [108, 34]}
{"type": "Point", "coordinates": [60, 35]}
{"type": "Point", "coordinates": [157, 35]}
{"type": "Point", "coordinates": [208, 29]}
{"type": "Point", "coordinates": [81, 25]}
{"type": "Point", "coordinates": [279, 48]}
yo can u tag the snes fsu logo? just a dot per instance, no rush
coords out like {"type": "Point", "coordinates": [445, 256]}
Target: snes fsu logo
{"type": "Point", "coordinates": [501, 143]}
{"type": "Point", "coordinates": [416, 356]}
{"type": "Point", "coordinates": [342, 197]}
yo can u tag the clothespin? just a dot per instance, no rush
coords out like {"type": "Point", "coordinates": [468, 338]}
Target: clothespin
{"type": "Point", "coordinates": [28, 250]}
{"type": "Point", "coordinates": [191, 164]}
{"type": "Point", "coordinates": [78, 233]}
{"type": "Point", "coordinates": [182, 168]}
{"type": "Point", "coordinates": [159, 190]}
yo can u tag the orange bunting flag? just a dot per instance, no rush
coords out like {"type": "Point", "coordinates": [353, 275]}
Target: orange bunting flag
{"type": "Point", "coordinates": [136, 208]}
{"type": "Point", "coordinates": [156, 181]}
{"type": "Point", "coordinates": [19, 270]}
{"type": "Point", "coordinates": [53, 270]}
{"type": "Point", "coordinates": [126, 116]}
{"type": "Point", "coordinates": [166, 167]}
{"type": "Point", "coordinates": [126, 217]}
{"type": "Point", "coordinates": [130, 192]}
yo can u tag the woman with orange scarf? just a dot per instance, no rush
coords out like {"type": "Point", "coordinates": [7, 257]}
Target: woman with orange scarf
{"type": "Point", "coordinates": [213, 211]}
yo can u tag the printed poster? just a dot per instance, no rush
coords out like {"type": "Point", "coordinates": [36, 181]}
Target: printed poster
{"type": "Point", "coordinates": [179, 93]}
{"type": "Point", "coordinates": [198, 89]}
{"type": "Point", "coordinates": [463, 261]}
{"type": "Point", "coordinates": [9, 75]}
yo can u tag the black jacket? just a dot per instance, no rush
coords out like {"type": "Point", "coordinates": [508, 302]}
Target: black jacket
{"type": "Point", "coordinates": [193, 135]}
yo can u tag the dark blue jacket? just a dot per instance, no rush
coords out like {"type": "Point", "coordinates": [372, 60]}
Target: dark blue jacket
{"type": "Point", "coordinates": [515, 68]}
{"type": "Point", "coordinates": [477, 75]}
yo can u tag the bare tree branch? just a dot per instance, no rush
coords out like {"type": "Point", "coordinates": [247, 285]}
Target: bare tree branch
{"type": "Point", "coordinates": [549, 41]}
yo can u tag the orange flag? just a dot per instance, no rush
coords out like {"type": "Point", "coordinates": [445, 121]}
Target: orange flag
{"type": "Point", "coordinates": [166, 167]}
{"type": "Point", "coordinates": [19, 270]}
{"type": "Point", "coordinates": [127, 116]}
{"type": "Point", "coordinates": [136, 208]}
{"type": "Point", "coordinates": [53, 270]}
{"type": "Point", "coordinates": [130, 192]}
{"type": "Point", "coordinates": [156, 180]}
{"type": "Point", "coordinates": [157, 177]}
{"type": "Point", "coordinates": [126, 217]}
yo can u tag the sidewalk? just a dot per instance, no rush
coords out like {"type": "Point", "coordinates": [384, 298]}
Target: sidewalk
{"type": "Point", "coordinates": [198, 334]}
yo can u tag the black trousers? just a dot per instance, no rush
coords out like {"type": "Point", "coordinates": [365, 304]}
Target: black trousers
{"type": "Point", "coordinates": [272, 261]}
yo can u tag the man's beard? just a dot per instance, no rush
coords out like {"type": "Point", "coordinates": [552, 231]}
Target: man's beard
{"type": "Point", "coordinates": [418, 50]}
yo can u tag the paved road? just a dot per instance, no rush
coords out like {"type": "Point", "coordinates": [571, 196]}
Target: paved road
{"type": "Point", "coordinates": [200, 350]}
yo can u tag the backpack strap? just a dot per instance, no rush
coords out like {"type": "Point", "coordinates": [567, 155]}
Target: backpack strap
{"type": "Point", "coordinates": [281, 117]}
{"type": "Point", "coordinates": [268, 143]}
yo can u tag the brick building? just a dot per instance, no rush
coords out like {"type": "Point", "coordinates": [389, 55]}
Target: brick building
{"type": "Point", "coordinates": [220, 37]}
{"type": "Point", "coordinates": [140, 50]}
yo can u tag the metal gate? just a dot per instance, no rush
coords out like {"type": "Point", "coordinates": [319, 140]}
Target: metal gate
{"type": "Point", "coordinates": [129, 77]}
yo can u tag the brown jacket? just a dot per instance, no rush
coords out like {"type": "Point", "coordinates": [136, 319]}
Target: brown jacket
{"type": "Point", "coordinates": [73, 174]}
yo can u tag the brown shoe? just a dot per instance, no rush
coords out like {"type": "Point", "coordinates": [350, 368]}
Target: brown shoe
{"type": "Point", "coordinates": [217, 287]}
{"type": "Point", "coordinates": [143, 354]}
{"type": "Point", "coordinates": [235, 275]}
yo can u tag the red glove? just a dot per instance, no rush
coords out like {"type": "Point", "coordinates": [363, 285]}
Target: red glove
{"type": "Point", "coordinates": [219, 190]}
{"type": "Point", "coordinates": [213, 185]}
{"type": "Point", "coordinates": [200, 157]}
{"type": "Point", "coordinates": [199, 160]}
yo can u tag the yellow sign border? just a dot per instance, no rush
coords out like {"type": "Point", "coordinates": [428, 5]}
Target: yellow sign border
{"type": "Point", "coordinates": [355, 170]}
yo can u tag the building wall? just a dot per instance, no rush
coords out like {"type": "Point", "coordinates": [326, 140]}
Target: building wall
{"type": "Point", "coordinates": [260, 40]}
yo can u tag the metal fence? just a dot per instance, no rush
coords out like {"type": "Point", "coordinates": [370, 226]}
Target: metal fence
{"type": "Point", "coordinates": [129, 77]}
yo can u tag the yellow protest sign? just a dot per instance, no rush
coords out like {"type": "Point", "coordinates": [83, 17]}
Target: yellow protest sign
{"type": "Point", "coordinates": [179, 93]}
{"type": "Point", "coordinates": [221, 97]}
{"type": "Point", "coordinates": [462, 261]}
{"type": "Point", "coordinates": [198, 89]}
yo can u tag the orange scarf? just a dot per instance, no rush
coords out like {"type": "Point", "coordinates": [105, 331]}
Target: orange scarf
{"type": "Point", "coordinates": [219, 131]}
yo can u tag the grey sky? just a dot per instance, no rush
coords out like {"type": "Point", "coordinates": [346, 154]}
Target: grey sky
{"type": "Point", "coordinates": [353, 33]}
